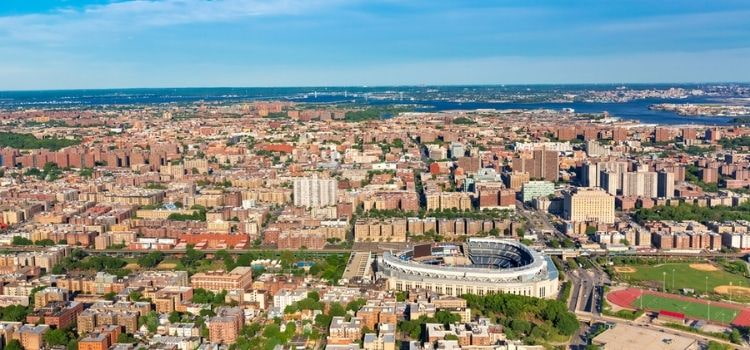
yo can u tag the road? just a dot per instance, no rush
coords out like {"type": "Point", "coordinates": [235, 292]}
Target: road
{"type": "Point", "coordinates": [587, 286]}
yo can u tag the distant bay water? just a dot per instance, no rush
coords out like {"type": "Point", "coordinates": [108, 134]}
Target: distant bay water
{"type": "Point", "coordinates": [426, 98]}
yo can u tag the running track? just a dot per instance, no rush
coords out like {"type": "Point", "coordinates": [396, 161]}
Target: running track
{"type": "Point", "coordinates": [626, 297]}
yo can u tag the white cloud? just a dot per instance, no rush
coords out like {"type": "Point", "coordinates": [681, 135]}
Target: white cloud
{"type": "Point", "coordinates": [68, 23]}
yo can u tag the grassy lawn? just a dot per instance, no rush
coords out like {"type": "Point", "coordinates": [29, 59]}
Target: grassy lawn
{"type": "Point", "coordinates": [684, 277]}
{"type": "Point", "coordinates": [691, 310]}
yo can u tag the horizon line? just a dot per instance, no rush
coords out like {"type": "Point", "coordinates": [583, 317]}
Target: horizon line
{"type": "Point", "coordinates": [372, 86]}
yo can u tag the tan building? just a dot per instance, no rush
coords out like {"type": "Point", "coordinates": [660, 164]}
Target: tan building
{"type": "Point", "coordinates": [393, 230]}
{"type": "Point", "coordinates": [224, 328]}
{"type": "Point", "coordinates": [238, 279]}
{"type": "Point", "coordinates": [589, 205]}
{"type": "Point", "coordinates": [32, 337]}
{"type": "Point", "coordinates": [448, 200]}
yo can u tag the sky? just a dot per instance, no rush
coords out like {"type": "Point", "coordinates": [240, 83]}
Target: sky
{"type": "Point", "coordinates": [69, 44]}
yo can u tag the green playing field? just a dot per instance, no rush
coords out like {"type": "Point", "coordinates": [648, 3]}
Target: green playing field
{"type": "Point", "coordinates": [681, 275]}
{"type": "Point", "coordinates": [694, 310]}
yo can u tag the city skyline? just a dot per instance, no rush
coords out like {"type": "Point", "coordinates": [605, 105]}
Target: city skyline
{"type": "Point", "coordinates": [188, 43]}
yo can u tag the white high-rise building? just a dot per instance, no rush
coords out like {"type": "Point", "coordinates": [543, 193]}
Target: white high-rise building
{"type": "Point", "coordinates": [313, 192]}
{"type": "Point", "coordinates": [666, 184]}
{"type": "Point", "coordinates": [640, 184]}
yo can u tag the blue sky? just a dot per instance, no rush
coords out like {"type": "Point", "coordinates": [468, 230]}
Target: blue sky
{"type": "Point", "coordinates": [50, 44]}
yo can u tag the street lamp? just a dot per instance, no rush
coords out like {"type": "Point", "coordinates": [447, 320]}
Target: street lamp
{"type": "Point", "coordinates": [706, 285]}
{"type": "Point", "coordinates": [730, 291]}
{"type": "Point", "coordinates": [664, 281]}
{"type": "Point", "coordinates": [672, 279]}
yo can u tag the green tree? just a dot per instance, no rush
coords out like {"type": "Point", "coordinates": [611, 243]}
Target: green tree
{"type": "Point", "coordinates": [13, 345]}
{"type": "Point", "coordinates": [44, 242]}
{"type": "Point", "coordinates": [335, 309]}
{"type": "Point", "coordinates": [125, 338]}
{"type": "Point", "coordinates": [56, 337]}
{"type": "Point", "coordinates": [150, 320]}
{"type": "Point", "coordinates": [714, 345]}
{"type": "Point", "coordinates": [151, 259]}
{"type": "Point", "coordinates": [13, 313]}
{"type": "Point", "coordinates": [447, 317]}
{"type": "Point", "coordinates": [135, 296]}
{"type": "Point", "coordinates": [18, 240]}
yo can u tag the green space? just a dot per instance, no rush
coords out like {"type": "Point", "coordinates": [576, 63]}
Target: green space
{"type": "Point", "coordinates": [737, 142]}
{"type": "Point", "coordinates": [198, 215]}
{"type": "Point", "coordinates": [536, 321]}
{"type": "Point", "coordinates": [79, 260]}
{"type": "Point", "coordinates": [684, 212]}
{"type": "Point", "coordinates": [684, 277]}
{"type": "Point", "coordinates": [29, 141]}
{"type": "Point", "coordinates": [690, 309]}
{"type": "Point", "coordinates": [463, 120]}
{"type": "Point", "coordinates": [692, 174]}
{"type": "Point", "coordinates": [373, 113]}
{"type": "Point", "coordinates": [50, 172]}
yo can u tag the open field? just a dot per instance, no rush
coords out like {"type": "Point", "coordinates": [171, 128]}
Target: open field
{"type": "Point", "coordinates": [694, 308]}
{"type": "Point", "coordinates": [681, 275]}
{"type": "Point", "coordinates": [704, 267]}
{"type": "Point", "coordinates": [624, 269]}
{"type": "Point", "coordinates": [734, 292]}
{"type": "Point", "coordinates": [690, 309]}
{"type": "Point", "coordinates": [166, 266]}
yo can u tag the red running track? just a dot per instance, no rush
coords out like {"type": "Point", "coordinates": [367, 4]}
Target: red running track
{"type": "Point", "coordinates": [626, 297]}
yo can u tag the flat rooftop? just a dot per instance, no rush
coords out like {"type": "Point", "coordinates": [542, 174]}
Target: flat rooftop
{"type": "Point", "coordinates": [358, 265]}
{"type": "Point", "coordinates": [627, 337]}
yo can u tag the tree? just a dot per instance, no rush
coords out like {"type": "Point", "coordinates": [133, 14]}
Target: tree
{"type": "Point", "coordinates": [520, 326]}
{"type": "Point", "coordinates": [151, 259]}
{"type": "Point", "coordinates": [13, 313]}
{"type": "Point", "coordinates": [86, 172]}
{"type": "Point", "coordinates": [447, 317]}
{"type": "Point", "coordinates": [735, 336]}
{"type": "Point", "coordinates": [336, 309]}
{"type": "Point", "coordinates": [714, 345]}
{"type": "Point", "coordinates": [174, 317]}
{"type": "Point", "coordinates": [18, 240]}
{"type": "Point", "coordinates": [135, 296]}
{"type": "Point", "coordinates": [323, 321]}
{"type": "Point", "coordinates": [192, 257]}
{"type": "Point", "coordinates": [566, 323]}
{"type": "Point", "coordinates": [150, 320]}
{"type": "Point", "coordinates": [287, 258]}
{"type": "Point", "coordinates": [44, 242]}
{"type": "Point", "coordinates": [355, 305]}
{"type": "Point", "coordinates": [125, 338]}
{"type": "Point", "coordinates": [56, 337]}
{"type": "Point", "coordinates": [13, 345]}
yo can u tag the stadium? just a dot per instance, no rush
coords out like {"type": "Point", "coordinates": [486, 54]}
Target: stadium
{"type": "Point", "coordinates": [479, 266]}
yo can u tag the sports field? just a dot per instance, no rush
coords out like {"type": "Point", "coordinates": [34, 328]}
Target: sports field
{"type": "Point", "coordinates": [690, 309]}
{"type": "Point", "coordinates": [694, 308]}
{"type": "Point", "coordinates": [685, 276]}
